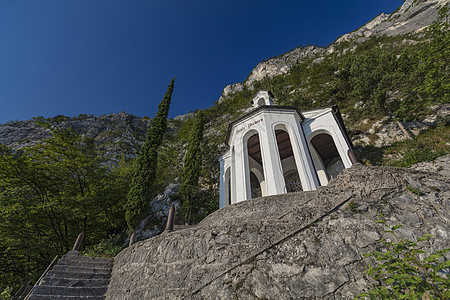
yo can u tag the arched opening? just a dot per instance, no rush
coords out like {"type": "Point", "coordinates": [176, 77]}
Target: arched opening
{"type": "Point", "coordinates": [255, 170]}
{"type": "Point", "coordinates": [290, 172]}
{"type": "Point", "coordinates": [228, 186]}
{"type": "Point", "coordinates": [326, 157]}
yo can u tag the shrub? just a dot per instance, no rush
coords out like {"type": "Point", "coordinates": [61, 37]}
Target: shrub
{"type": "Point", "coordinates": [402, 274]}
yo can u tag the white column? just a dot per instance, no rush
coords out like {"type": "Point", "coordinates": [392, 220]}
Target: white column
{"type": "Point", "coordinates": [233, 175]}
{"type": "Point", "coordinates": [320, 168]}
{"type": "Point", "coordinates": [240, 173]}
{"type": "Point", "coordinates": [303, 159]}
{"type": "Point", "coordinates": [246, 171]}
{"type": "Point", "coordinates": [273, 172]}
{"type": "Point", "coordinates": [222, 183]}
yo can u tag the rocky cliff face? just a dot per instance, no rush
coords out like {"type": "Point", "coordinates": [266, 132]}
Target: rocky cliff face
{"type": "Point", "coordinates": [281, 64]}
{"type": "Point", "coordinates": [306, 245]}
{"type": "Point", "coordinates": [412, 17]}
{"type": "Point", "coordinates": [117, 134]}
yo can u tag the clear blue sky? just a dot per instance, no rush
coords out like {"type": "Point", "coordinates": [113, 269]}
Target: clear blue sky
{"type": "Point", "coordinates": [102, 56]}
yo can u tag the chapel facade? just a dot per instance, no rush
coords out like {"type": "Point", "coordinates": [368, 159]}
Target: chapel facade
{"type": "Point", "coordinates": [280, 149]}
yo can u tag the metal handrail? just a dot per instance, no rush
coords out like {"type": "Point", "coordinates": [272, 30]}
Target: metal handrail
{"type": "Point", "coordinates": [76, 247]}
{"type": "Point", "coordinates": [21, 291]}
{"type": "Point", "coordinates": [40, 278]}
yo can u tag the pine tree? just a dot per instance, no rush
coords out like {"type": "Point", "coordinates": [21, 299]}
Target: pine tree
{"type": "Point", "coordinates": [142, 187]}
{"type": "Point", "coordinates": [192, 165]}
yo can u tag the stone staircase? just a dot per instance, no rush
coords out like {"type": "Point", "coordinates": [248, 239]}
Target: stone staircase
{"type": "Point", "coordinates": [75, 277]}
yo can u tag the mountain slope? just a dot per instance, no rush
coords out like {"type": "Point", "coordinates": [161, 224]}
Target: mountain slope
{"type": "Point", "coordinates": [412, 17]}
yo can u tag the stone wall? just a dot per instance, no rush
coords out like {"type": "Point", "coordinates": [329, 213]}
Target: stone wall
{"type": "Point", "coordinates": [293, 246]}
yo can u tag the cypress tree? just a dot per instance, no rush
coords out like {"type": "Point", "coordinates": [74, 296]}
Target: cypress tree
{"type": "Point", "coordinates": [192, 165]}
{"type": "Point", "coordinates": [142, 187]}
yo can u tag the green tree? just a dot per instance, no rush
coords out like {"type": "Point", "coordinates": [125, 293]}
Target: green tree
{"type": "Point", "coordinates": [49, 193]}
{"type": "Point", "coordinates": [142, 188]}
{"type": "Point", "coordinates": [192, 166]}
{"type": "Point", "coordinates": [435, 60]}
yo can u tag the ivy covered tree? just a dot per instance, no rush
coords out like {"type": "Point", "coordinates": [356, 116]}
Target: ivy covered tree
{"type": "Point", "coordinates": [192, 166]}
{"type": "Point", "coordinates": [142, 187]}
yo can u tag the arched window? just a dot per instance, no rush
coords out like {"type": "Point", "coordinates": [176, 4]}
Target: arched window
{"type": "Point", "coordinates": [292, 181]}
{"type": "Point", "coordinates": [326, 157]}
{"type": "Point", "coordinates": [287, 159]}
{"type": "Point", "coordinates": [254, 184]}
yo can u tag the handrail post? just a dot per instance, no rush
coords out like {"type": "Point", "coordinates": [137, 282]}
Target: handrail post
{"type": "Point", "coordinates": [352, 156]}
{"type": "Point", "coordinates": [78, 242]}
{"type": "Point", "coordinates": [170, 219]}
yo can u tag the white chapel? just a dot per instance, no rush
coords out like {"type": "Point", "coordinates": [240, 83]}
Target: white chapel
{"type": "Point", "coordinates": [280, 149]}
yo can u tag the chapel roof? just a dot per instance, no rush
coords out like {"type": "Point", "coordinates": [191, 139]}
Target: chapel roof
{"type": "Point", "coordinates": [257, 110]}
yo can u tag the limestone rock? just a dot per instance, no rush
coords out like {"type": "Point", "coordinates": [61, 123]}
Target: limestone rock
{"type": "Point", "coordinates": [291, 246]}
{"type": "Point", "coordinates": [185, 116]}
{"type": "Point", "coordinates": [118, 133]}
{"type": "Point", "coordinates": [282, 64]}
{"type": "Point", "coordinates": [412, 17]}
{"type": "Point", "coordinates": [158, 212]}
{"type": "Point", "coordinates": [231, 89]}
{"type": "Point", "coordinates": [438, 166]}
{"type": "Point", "coordinates": [387, 131]}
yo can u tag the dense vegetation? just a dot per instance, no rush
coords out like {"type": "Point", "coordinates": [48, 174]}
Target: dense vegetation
{"type": "Point", "coordinates": [51, 192]}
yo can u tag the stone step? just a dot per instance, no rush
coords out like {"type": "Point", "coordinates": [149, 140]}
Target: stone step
{"type": "Point", "coordinates": [69, 291]}
{"type": "Point", "coordinates": [78, 275]}
{"type": "Point", "coordinates": [79, 282]}
{"type": "Point", "coordinates": [85, 263]}
{"type": "Point", "coordinates": [61, 297]}
{"type": "Point", "coordinates": [69, 268]}
{"type": "Point", "coordinates": [86, 258]}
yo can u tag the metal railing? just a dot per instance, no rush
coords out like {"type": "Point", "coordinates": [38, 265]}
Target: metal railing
{"type": "Point", "coordinates": [40, 278]}
{"type": "Point", "coordinates": [76, 247]}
